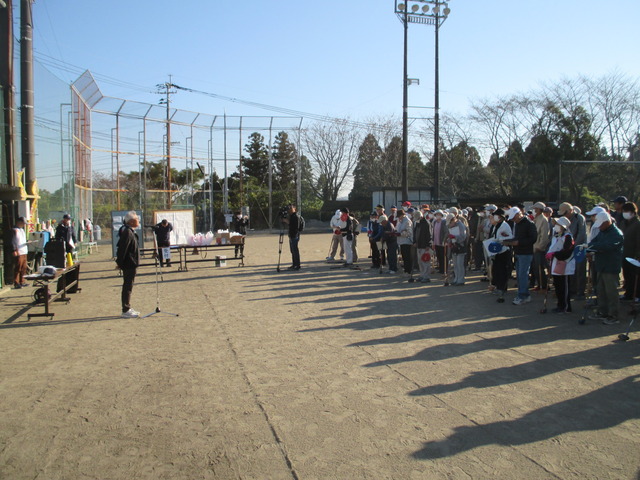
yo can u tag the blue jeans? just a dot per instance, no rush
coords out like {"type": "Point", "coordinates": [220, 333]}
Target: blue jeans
{"type": "Point", "coordinates": [523, 264]}
{"type": "Point", "coordinates": [295, 253]}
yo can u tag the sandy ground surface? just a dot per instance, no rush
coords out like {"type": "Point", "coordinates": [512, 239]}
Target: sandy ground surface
{"type": "Point", "coordinates": [318, 374]}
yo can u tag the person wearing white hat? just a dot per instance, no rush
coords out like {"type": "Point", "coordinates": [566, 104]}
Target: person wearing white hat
{"type": "Point", "coordinates": [578, 229]}
{"type": "Point", "coordinates": [563, 265]}
{"type": "Point", "coordinates": [501, 267]}
{"type": "Point", "coordinates": [539, 264]}
{"type": "Point", "coordinates": [607, 246]}
{"type": "Point", "coordinates": [524, 236]}
{"type": "Point", "coordinates": [336, 237]}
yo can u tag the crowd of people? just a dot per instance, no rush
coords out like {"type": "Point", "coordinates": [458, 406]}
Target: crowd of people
{"type": "Point", "coordinates": [564, 250]}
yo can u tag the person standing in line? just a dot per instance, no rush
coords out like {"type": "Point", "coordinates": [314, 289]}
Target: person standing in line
{"type": "Point", "coordinates": [373, 228]}
{"type": "Point", "coordinates": [502, 261]}
{"type": "Point", "coordinates": [20, 251]}
{"type": "Point", "coordinates": [390, 240]}
{"type": "Point", "coordinates": [524, 236]}
{"type": "Point", "coordinates": [607, 246]}
{"type": "Point", "coordinates": [127, 260]}
{"type": "Point", "coordinates": [631, 249]}
{"type": "Point", "coordinates": [539, 265]}
{"type": "Point", "coordinates": [439, 238]}
{"type": "Point", "coordinates": [458, 237]}
{"type": "Point", "coordinates": [422, 242]}
{"type": "Point", "coordinates": [162, 232]}
{"type": "Point", "coordinates": [563, 265]}
{"type": "Point", "coordinates": [404, 229]}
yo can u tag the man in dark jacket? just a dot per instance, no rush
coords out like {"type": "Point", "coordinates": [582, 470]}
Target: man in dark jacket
{"type": "Point", "coordinates": [65, 233]}
{"type": "Point", "coordinates": [525, 235]}
{"type": "Point", "coordinates": [607, 246]}
{"type": "Point", "coordinates": [422, 242]}
{"type": "Point", "coordinates": [128, 259]}
{"type": "Point", "coordinates": [294, 236]}
{"type": "Point", "coordinates": [239, 225]}
{"type": "Point", "coordinates": [631, 249]}
{"type": "Point", "coordinates": [163, 236]}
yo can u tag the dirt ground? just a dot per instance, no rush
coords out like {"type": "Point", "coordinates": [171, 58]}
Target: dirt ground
{"type": "Point", "coordinates": [317, 374]}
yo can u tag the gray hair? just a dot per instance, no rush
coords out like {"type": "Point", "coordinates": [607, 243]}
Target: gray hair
{"type": "Point", "coordinates": [130, 216]}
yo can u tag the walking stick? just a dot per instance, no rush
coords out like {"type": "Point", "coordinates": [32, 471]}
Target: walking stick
{"type": "Point", "coordinates": [587, 300]}
{"type": "Point", "coordinates": [546, 292]}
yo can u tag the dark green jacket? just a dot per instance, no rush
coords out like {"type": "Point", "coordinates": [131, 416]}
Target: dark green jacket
{"type": "Point", "coordinates": [608, 248]}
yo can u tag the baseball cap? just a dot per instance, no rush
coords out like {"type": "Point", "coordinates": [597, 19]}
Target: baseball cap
{"type": "Point", "coordinates": [565, 208]}
{"type": "Point", "coordinates": [595, 210]}
{"type": "Point", "coordinates": [539, 205]}
{"type": "Point", "coordinates": [499, 211]}
{"type": "Point", "coordinates": [380, 206]}
{"type": "Point", "coordinates": [406, 204]}
{"type": "Point", "coordinates": [601, 218]}
{"type": "Point", "coordinates": [66, 216]}
{"type": "Point", "coordinates": [490, 207]}
{"type": "Point", "coordinates": [620, 199]}
{"type": "Point", "coordinates": [512, 212]}
{"type": "Point", "coordinates": [393, 206]}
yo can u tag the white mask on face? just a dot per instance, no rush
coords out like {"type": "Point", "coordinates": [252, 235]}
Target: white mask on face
{"type": "Point", "coordinates": [438, 217]}
{"type": "Point", "coordinates": [496, 218]}
{"type": "Point", "coordinates": [557, 229]}
{"type": "Point", "coordinates": [627, 215]}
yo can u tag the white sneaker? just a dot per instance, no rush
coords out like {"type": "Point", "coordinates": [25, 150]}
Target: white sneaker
{"type": "Point", "coordinates": [131, 313]}
{"type": "Point", "coordinates": [518, 301]}
{"type": "Point", "coordinates": [329, 259]}
{"type": "Point", "coordinates": [392, 272]}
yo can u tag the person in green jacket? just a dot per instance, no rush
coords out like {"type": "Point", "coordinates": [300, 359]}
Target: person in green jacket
{"type": "Point", "coordinates": [607, 246]}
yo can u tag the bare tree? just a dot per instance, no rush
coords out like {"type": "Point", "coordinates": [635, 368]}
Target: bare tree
{"type": "Point", "coordinates": [333, 150]}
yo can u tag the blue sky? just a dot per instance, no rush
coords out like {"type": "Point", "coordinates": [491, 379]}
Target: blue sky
{"type": "Point", "coordinates": [339, 58]}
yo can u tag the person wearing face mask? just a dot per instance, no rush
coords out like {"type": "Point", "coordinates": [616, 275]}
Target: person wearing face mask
{"type": "Point", "coordinates": [607, 246]}
{"type": "Point", "coordinates": [439, 235]}
{"type": "Point", "coordinates": [631, 249]}
{"type": "Point", "coordinates": [560, 257]}
{"type": "Point", "coordinates": [501, 269]}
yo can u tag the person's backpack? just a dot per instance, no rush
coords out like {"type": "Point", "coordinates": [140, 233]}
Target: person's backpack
{"type": "Point", "coordinates": [300, 223]}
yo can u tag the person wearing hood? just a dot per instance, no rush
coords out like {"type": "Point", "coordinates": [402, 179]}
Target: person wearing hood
{"type": "Point", "coordinates": [563, 265]}
{"type": "Point", "coordinates": [404, 230]}
{"type": "Point", "coordinates": [336, 238]}
{"type": "Point", "coordinates": [607, 246]}
{"type": "Point", "coordinates": [501, 268]}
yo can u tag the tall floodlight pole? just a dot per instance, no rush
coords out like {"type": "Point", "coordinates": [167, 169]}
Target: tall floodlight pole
{"type": "Point", "coordinates": [425, 12]}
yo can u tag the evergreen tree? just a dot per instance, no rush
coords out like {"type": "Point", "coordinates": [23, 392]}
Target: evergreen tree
{"type": "Point", "coordinates": [256, 165]}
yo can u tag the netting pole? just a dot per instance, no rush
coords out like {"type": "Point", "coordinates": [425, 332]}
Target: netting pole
{"type": "Point", "coordinates": [270, 170]}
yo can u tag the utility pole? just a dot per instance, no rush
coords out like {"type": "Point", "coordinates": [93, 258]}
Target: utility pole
{"type": "Point", "coordinates": [26, 95]}
{"type": "Point", "coordinates": [166, 90]}
{"type": "Point", "coordinates": [8, 102]}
